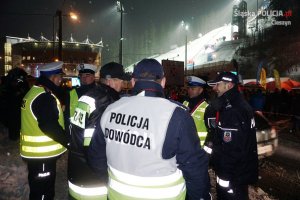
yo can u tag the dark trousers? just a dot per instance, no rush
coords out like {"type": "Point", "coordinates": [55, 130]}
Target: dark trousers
{"type": "Point", "coordinates": [41, 178]}
{"type": "Point", "coordinates": [238, 192]}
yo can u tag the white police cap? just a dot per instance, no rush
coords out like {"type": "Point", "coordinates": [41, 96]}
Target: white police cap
{"type": "Point", "coordinates": [87, 68]}
{"type": "Point", "coordinates": [195, 81]}
{"type": "Point", "coordinates": [51, 68]}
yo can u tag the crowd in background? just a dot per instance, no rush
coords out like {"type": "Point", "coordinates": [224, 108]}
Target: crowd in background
{"type": "Point", "coordinates": [278, 103]}
{"type": "Point", "coordinates": [274, 104]}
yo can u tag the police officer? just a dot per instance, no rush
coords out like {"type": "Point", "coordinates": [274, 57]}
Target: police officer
{"type": "Point", "coordinates": [43, 138]}
{"type": "Point", "coordinates": [210, 120]}
{"type": "Point", "coordinates": [84, 183]}
{"type": "Point", "coordinates": [234, 150]}
{"type": "Point", "coordinates": [87, 82]}
{"type": "Point", "coordinates": [197, 104]}
{"type": "Point", "coordinates": [152, 147]}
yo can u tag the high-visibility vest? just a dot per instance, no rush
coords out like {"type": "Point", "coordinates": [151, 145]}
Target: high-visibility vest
{"type": "Point", "coordinates": [33, 142]}
{"type": "Point", "coordinates": [73, 101]}
{"type": "Point", "coordinates": [136, 135]}
{"type": "Point", "coordinates": [198, 116]}
{"type": "Point", "coordinates": [85, 106]}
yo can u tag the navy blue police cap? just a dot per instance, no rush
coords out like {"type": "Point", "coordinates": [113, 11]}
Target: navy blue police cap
{"type": "Point", "coordinates": [225, 77]}
{"type": "Point", "coordinates": [148, 69]}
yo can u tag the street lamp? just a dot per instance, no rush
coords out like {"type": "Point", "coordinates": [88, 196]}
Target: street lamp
{"type": "Point", "coordinates": [120, 9]}
{"type": "Point", "coordinates": [59, 14]}
{"type": "Point", "coordinates": [186, 28]}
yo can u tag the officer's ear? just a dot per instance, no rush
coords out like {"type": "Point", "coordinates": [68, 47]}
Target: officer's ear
{"type": "Point", "coordinates": [132, 82]}
{"type": "Point", "coordinates": [163, 82]}
{"type": "Point", "coordinates": [229, 85]}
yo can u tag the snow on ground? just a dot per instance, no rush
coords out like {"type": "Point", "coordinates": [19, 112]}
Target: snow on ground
{"type": "Point", "coordinates": [13, 172]}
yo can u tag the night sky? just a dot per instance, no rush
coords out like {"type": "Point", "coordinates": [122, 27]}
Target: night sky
{"type": "Point", "coordinates": [99, 19]}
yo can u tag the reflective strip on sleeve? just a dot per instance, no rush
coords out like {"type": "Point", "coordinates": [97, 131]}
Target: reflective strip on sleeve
{"type": "Point", "coordinates": [28, 138]}
{"type": "Point", "coordinates": [152, 193]}
{"type": "Point", "coordinates": [42, 149]}
{"type": "Point", "coordinates": [222, 183]}
{"type": "Point", "coordinates": [88, 132]}
{"type": "Point", "coordinates": [88, 191]}
{"type": "Point", "coordinates": [228, 129]}
{"type": "Point", "coordinates": [207, 149]}
{"type": "Point", "coordinates": [90, 101]}
{"type": "Point", "coordinates": [146, 181]}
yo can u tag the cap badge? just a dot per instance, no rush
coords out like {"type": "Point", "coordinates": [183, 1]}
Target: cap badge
{"type": "Point", "coordinates": [81, 66]}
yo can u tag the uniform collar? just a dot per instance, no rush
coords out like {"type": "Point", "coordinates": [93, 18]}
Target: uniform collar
{"type": "Point", "coordinates": [230, 97]}
{"type": "Point", "coordinates": [150, 88]}
{"type": "Point", "coordinates": [49, 86]}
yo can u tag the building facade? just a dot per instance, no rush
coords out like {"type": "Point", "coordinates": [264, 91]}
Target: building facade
{"type": "Point", "coordinates": [29, 53]}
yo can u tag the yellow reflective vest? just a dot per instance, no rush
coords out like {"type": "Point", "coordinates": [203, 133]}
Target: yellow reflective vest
{"type": "Point", "coordinates": [33, 142]}
{"type": "Point", "coordinates": [198, 116]}
{"type": "Point", "coordinates": [73, 101]}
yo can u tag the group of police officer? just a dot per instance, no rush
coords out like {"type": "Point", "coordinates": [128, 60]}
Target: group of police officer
{"type": "Point", "coordinates": [139, 147]}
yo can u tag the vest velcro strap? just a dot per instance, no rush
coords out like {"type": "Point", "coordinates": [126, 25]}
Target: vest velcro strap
{"type": "Point", "coordinates": [142, 192]}
{"type": "Point", "coordinates": [42, 149]}
{"type": "Point", "coordinates": [90, 191]}
{"type": "Point", "coordinates": [146, 181]}
{"type": "Point", "coordinates": [28, 138]}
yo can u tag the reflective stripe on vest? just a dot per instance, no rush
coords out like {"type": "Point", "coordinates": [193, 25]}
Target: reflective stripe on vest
{"type": "Point", "coordinates": [81, 192]}
{"type": "Point", "coordinates": [170, 187]}
{"type": "Point", "coordinates": [28, 138]}
{"type": "Point", "coordinates": [42, 149]}
{"type": "Point", "coordinates": [146, 181]}
{"type": "Point", "coordinates": [33, 142]}
{"type": "Point", "coordinates": [152, 193]}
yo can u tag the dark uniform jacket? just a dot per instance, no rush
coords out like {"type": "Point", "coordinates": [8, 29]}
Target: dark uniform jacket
{"type": "Point", "coordinates": [45, 109]}
{"type": "Point", "coordinates": [181, 141]}
{"type": "Point", "coordinates": [234, 154]}
{"type": "Point", "coordinates": [79, 173]}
